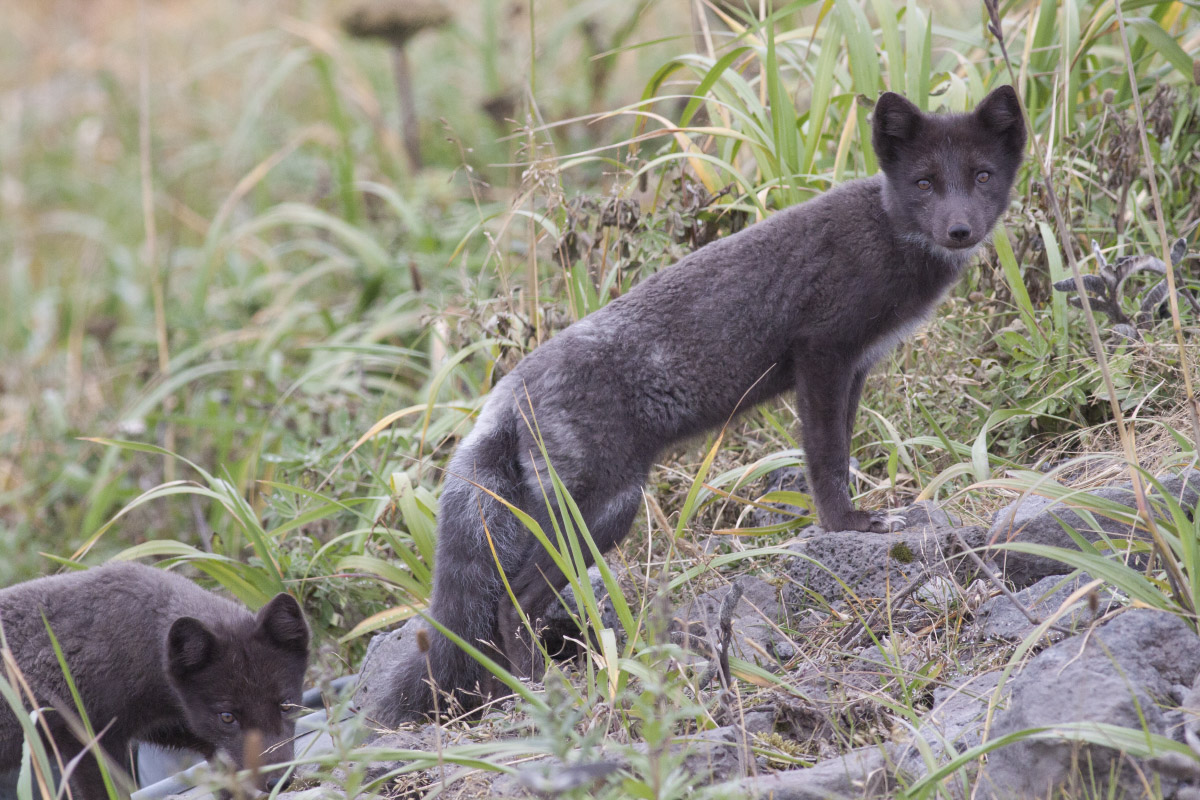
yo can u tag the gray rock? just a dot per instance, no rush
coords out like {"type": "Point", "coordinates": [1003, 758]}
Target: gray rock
{"type": "Point", "coordinates": [999, 620]}
{"type": "Point", "coordinates": [155, 763]}
{"type": "Point", "coordinates": [1120, 674]}
{"type": "Point", "coordinates": [1032, 519]}
{"type": "Point", "coordinates": [717, 755]}
{"type": "Point", "coordinates": [756, 636]}
{"type": "Point", "coordinates": [384, 651]}
{"type": "Point", "coordinates": [877, 564]}
{"type": "Point", "coordinates": [954, 724]}
{"type": "Point", "coordinates": [927, 514]}
{"type": "Point", "coordinates": [860, 773]}
{"type": "Point", "coordinates": [707, 757]}
{"type": "Point", "coordinates": [938, 592]}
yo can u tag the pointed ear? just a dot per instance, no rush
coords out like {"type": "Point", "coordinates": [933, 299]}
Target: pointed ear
{"type": "Point", "coordinates": [894, 122]}
{"type": "Point", "coordinates": [1000, 112]}
{"type": "Point", "coordinates": [283, 623]}
{"type": "Point", "coordinates": [190, 647]}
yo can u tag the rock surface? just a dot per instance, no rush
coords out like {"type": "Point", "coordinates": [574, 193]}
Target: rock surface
{"type": "Point", "coordinates": [1032, 519]}
{"type": "Point", "coordinates": [999, 620]}
{"type": "Point", "coordinates": [384, 651]}
{"type": "Point", "coordinates": [757, 637]}
{"type": "Point", "coordinates": [1122, 673]}
{"type": "Point", "coordinates": [955, 723]}
{"type": "Point", "coordinates": [708, 757]}
{"type": "Point", "coordinates": [875, 565]}
{"type": "Point", "coordinates": [861, 773]}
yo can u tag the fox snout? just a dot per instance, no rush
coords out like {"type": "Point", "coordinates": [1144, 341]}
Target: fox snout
{"type": "Point", "coordinates": [956, 225]}
{"type": "Point", "coordinates": [260, 756]}
{"type": "Point", "coordinates": [280, 779]}
{"type": "Point", "coordinates": [270, 774]}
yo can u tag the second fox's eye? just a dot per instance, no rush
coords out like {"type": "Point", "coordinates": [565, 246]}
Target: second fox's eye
{"type": "Point", "coordinates": [227, 718]}
{"type": "Point", "coordinates": [982, 177]}
{"type": "Point", "coordinates": [924, 184]}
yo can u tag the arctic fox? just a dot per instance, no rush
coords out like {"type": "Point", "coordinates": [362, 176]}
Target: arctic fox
{"type": "Point", "coordinates": [806, 300]}
{"type": "Point", "coordinates": [158, 659]}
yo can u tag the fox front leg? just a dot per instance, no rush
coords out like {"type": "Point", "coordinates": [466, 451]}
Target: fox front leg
{"type": "Point", "coordinates": [827, 395]}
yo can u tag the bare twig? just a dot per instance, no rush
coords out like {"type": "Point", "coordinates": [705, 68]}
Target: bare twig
{"type": "Point", "coordinates": [725, 640]}
{"type": "Point", "coordinates": [854, 635]}
{"type": "Point", "coordinates": [1004, 590]}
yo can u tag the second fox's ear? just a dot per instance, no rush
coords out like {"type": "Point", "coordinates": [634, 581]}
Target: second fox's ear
{"type": "Point", "coordinates": [283, 623]}
{"type": "Point", "coordinates": [895, 121]}
{"type": "Point", "coordinates": [190, 647]}
{"type": "Point", "coordinates": [1000, 112]}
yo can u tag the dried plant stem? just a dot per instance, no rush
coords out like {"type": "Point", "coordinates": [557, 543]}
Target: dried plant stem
{"type": "Point", "coordinates": [147, 190]}
{"type": "Point", "coordinates": [1164, 241]}
{"type": "Point", "coordinates": [531, 298]}
{"type": "Point", "coordinates": [410, 130]}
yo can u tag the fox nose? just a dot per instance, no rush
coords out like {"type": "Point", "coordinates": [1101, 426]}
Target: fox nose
{"type": "Point", "coordinates": [282, 781]}
{"type": "Point", "coordinates": [960, 232]}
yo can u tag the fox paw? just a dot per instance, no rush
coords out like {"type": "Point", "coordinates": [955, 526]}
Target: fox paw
{"type": "Point", "coordinates": [868, 522]}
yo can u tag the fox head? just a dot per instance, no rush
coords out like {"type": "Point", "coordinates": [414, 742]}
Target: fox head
{"type": "Point", "coordinates": [948, 175]}
{"type": "Point", "coordinates": [240, 683]}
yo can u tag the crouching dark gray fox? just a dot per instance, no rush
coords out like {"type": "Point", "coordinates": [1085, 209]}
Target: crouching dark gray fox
{"type": "Point", "coordinates": [158, 659]}
{"type": "Point", "coordinates": [807, 300]}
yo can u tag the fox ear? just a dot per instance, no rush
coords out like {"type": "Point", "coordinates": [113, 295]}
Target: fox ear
{"type": "Point", "coordinates": [1000, 112]}
{"type": "Point", "coordinates": [190, 646]}
{"type": "Point", "coordinates": [283, 623]}
{"type": "Point", "coordinates": [894, 122]}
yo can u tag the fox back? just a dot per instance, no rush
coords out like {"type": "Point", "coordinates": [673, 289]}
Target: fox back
{"type": "Point", "coordinates": [157, 659]}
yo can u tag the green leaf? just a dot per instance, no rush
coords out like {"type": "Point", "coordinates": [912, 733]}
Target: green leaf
{"type": "Point", "coordinates": [1163, 44]}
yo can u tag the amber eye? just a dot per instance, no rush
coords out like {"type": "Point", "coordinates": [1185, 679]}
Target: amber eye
{"type": "Point", "coordinates": [924, 185]}
{"type": "Point", "coordinates": [982, 177]}
{"type": "Point", "coordinates": [227, 718]}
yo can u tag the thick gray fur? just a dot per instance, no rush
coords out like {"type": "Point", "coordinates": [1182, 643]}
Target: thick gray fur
{"type": "Point", "coordinates": [806, 300]}
{"type": "Point", "coordinates": [158, 659]}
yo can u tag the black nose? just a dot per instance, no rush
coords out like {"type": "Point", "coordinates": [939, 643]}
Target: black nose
{"type": "Point", "coordinates": [282, 781]}
{"type": "Point", "coordinates": [960, 232]}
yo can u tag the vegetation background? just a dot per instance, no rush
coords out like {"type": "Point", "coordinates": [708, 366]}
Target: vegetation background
{"type": "Point", "coordinates": [241, 326]}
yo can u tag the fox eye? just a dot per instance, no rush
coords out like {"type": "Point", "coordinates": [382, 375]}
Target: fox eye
{"type": "Point", "coordinates": [924, 184]}
{"type": "Point", "coordinates": [982, 177]}
{"type": "Point", "coordinates": [227, 717]}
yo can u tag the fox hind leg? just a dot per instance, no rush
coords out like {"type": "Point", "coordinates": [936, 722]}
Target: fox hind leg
{"type": "Point", "coordinates": [540, 581]}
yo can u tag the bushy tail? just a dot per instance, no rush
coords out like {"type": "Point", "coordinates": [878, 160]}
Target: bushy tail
{"type": "Point", "coordinates": [467, 589]}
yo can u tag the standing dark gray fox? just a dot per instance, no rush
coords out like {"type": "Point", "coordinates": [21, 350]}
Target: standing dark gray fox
{"type": "Point", "coordinates": [806, 300]}
{"type": "Point", "coordinates": [158, 659]}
